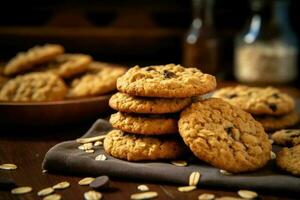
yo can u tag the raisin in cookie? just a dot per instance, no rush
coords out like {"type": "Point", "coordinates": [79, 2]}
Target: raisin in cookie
{"type": "Point", "coordinates": [101, 78]}
{"type": "Point", "coordinates": [130, 104]}
{"type": "Point", "coordinates": [288, 159]}
{"type": "Point", "coordinates": [167, 81]}
{"type": "Point", "coordinates": [138, 147]}
{"type": "Point", "coordinates": [25, 61]}
{"type": "Point", "coordinates": [271, 123]}
{"type": "Point", "coordinates": [68, 65]}
{"type": "Point", "coordinates": [36, 86]}
{"type": "Point", "coordinates": [257, 101]}
{"type": "Point", "coordinates": [144, 124]}
{"type": "Point", "coordinates": [287, 137]}
{"type": "Point", "coordinates": [224, 136]}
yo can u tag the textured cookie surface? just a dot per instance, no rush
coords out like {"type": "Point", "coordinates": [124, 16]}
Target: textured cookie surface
{"type": "Point", "coordinates": [144, 124]}
{"type": "Point", "coordinates": [68, 65]}
{"type": "Point", "coordinates": [3, 80]}
{"type": "Point", "coordinates": [165, 81]}
{"type": "Point", "coordinates": [224, 136]}
{"type": "Point", "coordinates": [271, 123]}
{"type": "Point", "coordinates": [126, 103]}
{"type": "Point", "coordinates": [287, 137]}
{"type": "Point", "coordinates": [258, 101]}
{"type": "Point", "coordinates": [34, 87]}
{"type": "Point", "coordinates": [100, 79]}
{"type": "Point", "coordinates": [138, 147]}
{"type": "Point", "coordinates": [24, 61]}
{"type": "Point", "coordinates": [288, 159]}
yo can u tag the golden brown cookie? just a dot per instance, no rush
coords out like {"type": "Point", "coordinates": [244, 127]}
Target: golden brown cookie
{"type": "Point", "coordinates": [224, 136]}
{"type": "Point", "coordinates": [130, 104]}
{"type": "Point", "coordinates": [287, 137]}
{"type": "Point", "coordinates": [100, 79]}
{"type": "Point", "coordinates": [257, 101]}
{"type": "Point", "coordinates": [271, 123]}
{"type": "Point", "coordinates": [144, 124]}
{"type": "Point", "coordinates": [138, 147]}
{"type": "Point", "coordinates": [167, 81]}
{"type": "Point", "coordinates": [68, 65]}
{"type": "Point", "coordinates": [36, 86]}
{"type": "Point", "coordinates": [37, 55]}
{"type": "Point", "coordinates": [288, 159]}
{"type": "Point", "coordinates": [3, 80]}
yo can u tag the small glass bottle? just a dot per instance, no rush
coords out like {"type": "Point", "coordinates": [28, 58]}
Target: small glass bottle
{"type": "Point", "coordinates": [266, 52]}
{"type": "Point", "coordinates": [200, 44]}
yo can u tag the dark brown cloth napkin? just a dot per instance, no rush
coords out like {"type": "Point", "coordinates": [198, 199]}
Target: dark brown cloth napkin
{"type": "Point", "coordinates": [66, 158]}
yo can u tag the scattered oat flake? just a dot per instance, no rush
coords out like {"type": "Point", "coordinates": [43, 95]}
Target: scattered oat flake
{"type": "Point", "coordinates": [143, 188]}
{"type": "Point", "coordinates": [21, 190]}
{"type": "Point", "coordinates": [52, 197]}
{"type": "Point", "coordinates": [101, 157]}
{"type": "Point", "coordinates": [44, 171]}
{"type": "Point", "coordinates": [224, 172]}
{"type": "Point", "coordinates": [8, 166]}
{"type": "Point", "coordinates": [92, 195]}
{"type": "Point", "coordinates": [247, 194]}
{"type": "Point", "coordinates": [61, 185]}
{"type": "Point", "coordinates": [179, 163]}
{"type": "Point", "coordinates": [90, 151]}
{"type": "Point", "coordinates": [98, 143]}
{"type": "Point", "coordinates": [91, 139]}
{"type": "Point", "coordinates": [45, 191]}
{"type": "Point", "coordinates": [86, 146]}
{"type": "Point", "coordinates": [273, 155]}
{"type": "Point", "coordinates": [186, 188]}
{"type": "Point", "coordinates": [194, 178]}
{"type": "Point", "coordinates": [144, 195]}
{"type": "Point", "coordinates": [206, 196]}
{"type": "Point", "coordinates": [86, 181]}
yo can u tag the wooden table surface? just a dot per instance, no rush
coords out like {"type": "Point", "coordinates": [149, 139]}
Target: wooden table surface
{"type": "Point", "coordinates": [26, 148]}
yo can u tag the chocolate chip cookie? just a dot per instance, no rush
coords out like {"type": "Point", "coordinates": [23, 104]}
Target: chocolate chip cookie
{"type": "Point", "coordinates": [288, 159]}
{"type": "Point", "coordinates": [36, 86]}
{"type": "Point", "coordinates": [144, 124]}
{"type": "Point", "coordinates": [100, 79]}
{"type": "Point", "coordinates": [167, 81]}
{"type": "Point", "coordinates": [257, 101]}
{"type": "Point", "coordinates": [224, 136]}
{"type": "Point", "coordinates": [271, 123]}
{"type": "Point", "coordinates": [130, 104]}
{"type": "Point", "coordinates": [25, 61]}
{"type": "Point", "coordinates": [287, 137]}
{"type": "Point", "coordinates": [68, 65]}
{"type": "Point", "coordinates": [138, 147]}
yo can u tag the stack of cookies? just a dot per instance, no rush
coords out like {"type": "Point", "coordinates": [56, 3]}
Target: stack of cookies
{"type": "Point", "coordinates": [273, 109]}
{"type": "Point", "coordinates": [148, 103]}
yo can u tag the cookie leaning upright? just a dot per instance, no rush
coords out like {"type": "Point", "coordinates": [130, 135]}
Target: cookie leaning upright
{"type": "Point", "coordinates": [224, 136]}
{"type": "Point", "coordinates": [167, 81]}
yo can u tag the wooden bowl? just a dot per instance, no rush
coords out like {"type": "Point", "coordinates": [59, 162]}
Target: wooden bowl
{"type": "Point", "coordinates": [53, 113]}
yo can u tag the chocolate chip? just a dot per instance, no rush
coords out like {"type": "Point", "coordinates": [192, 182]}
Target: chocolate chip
{"type": "Point", "coordinates": [7, 184]}
{"type": "Point", "coordinates": [273, 107]}
{"type": "Point", "coordinates": [100, 183]}
{"type": "Point", "coordinates": [231, 96]}
{"type": "Point", "coordinates": [168, 74]}
{"type": "Point", "coordinates": [149, 69]}
{"type": "Point", "coordinates": [228, 130]}
{"type": "Point", "coordinates": [275, 95]}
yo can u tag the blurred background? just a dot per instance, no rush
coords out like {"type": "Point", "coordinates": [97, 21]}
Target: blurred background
{"type": "Point", "coordinates": [251, 41]}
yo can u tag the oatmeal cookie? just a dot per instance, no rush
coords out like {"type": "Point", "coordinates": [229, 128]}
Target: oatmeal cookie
{"type": "Point", "coordinates": [144, 124]}
{"type": "Point", "coordinates": [288, 159]}
{"type": "Point", "coordinates": [130, 104]}
{"type": "Point", "coordinates": [224, 136]}
{"type": "Point", "coordinates": [271, 123]}
{"type": "Point", "coordinates": [287, 137]}
{"type": "Point", "coordinates": [257, 101]}
{"type": "Point", "coordinates": [3, 80]}
{"type": "Point", "coordinates": [36, 86]}
{"type": "Point", "coordinates": [68, 65]}
{"type": "Point", "coordinates": [138, 147]}
{"type": "Point", "coordinates": [25, 61]}
{"type": "Point", "coordinates": [101, 78]}
{"type": "Point", "coordinates": [167, 81]}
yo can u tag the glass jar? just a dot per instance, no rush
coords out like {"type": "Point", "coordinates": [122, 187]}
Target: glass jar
{"type": "Point", "coordinates": [266, 52]}
{"type": "Point", "coordinates": [200, 43]}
